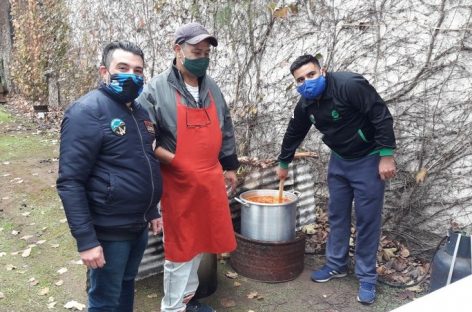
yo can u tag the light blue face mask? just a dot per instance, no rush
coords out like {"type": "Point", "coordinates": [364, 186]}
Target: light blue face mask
{"type": "Point", "coordinates": [312, 88]}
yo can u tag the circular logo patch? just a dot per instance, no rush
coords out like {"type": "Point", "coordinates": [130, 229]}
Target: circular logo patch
{"type": "Point", "coordinates": [118, 127]}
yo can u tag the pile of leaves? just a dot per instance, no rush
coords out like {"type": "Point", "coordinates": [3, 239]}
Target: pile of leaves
{"type": "Point", "coordinates": [18, 105]}
{"type": "Point", "coordinates": [395, 265]}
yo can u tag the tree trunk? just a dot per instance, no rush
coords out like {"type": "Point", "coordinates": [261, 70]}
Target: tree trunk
{"type": "Point", "coordinates": [5, 44]}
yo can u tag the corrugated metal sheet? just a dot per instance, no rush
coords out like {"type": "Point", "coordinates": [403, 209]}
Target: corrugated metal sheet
{"type": "Point", "coordinates": [301, 178]}
{"type": "Point", "coordinates": [153, 260]}
{"type": "Point", "coordinates": [257, 175]}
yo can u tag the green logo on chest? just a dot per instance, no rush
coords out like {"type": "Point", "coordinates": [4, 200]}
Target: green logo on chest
{"type": "Point", "coordinates": [335, 115]}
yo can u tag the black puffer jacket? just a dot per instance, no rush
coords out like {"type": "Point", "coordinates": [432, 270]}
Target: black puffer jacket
{"type": "Point", "coordinates": [107, 178]}
{"type": "Point", "coordinates": [350, 114]}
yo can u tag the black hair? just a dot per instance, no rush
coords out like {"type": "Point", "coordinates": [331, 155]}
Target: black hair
{"type": "Point", "coordinates": [123, 45]}
{"type": "Point", "coordinates": [302, 60]}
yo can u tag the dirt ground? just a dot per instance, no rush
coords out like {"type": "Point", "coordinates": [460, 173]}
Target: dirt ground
{"type": "Point", "coordinates": [39, 269]}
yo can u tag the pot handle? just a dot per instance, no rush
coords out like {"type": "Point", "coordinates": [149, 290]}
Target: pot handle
{"type": "Point", "coordinates": [297, 193]}
{"type": "Point", "coordinates": [241, 201]}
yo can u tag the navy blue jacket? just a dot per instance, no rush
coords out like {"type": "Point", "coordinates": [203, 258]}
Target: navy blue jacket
{"type": "Point", "coordinates": [107, 178]}
{"type": "Point", "coordinates": [350, 114]}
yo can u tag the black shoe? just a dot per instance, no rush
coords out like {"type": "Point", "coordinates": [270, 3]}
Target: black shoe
{"type": "Point", "coordinates": [195, 306]}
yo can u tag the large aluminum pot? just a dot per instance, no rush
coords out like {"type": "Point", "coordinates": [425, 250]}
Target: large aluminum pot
{"type": "Point", "coordinates": [269, 222]}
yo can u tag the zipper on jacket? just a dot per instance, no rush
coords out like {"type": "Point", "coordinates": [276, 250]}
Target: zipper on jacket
{"type": "Point", "coordinates": [149, 164]}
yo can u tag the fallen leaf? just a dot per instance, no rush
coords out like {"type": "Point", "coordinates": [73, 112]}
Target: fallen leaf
{"type": "Point", "coordinates": [2, 254]}
{"type": "Point", "coordinates": [231, 274]}
{"type": "Point", "coordinates": [14, 253]}
{"type": "Point", "coordinates": [6, 162]}
{"type": "Point", "coordinates": [407, 294]}
{"type": "Point", "coordinates": [62, 270]}
{"type": "Point", "coordinates": [26, 237]}
{"type": "Point", "coordinates": [405, 253]}
{"type": "Point", "coordinates": [2, 296]}
{"type": "Point", "coordinates": [26, 253]}
{"type": "Point", "coordinates": [421, 175]}
{"type": "Point", "coordinates": [227, 303]}
{"type": "Point", "coordinates": [252, 295]}
{"type": "Point", "coordinates": [74, 305]}
{"type": "Point", "coordinates": [153, 295]}
{"type": "Point", "coordinates": [14, 232]}
{"type": "Point", "coordinates": [388, 253]}
{"type": "Point", "coordinates": [281, 12]}
{"type": "Point", "coordinates": [63, 220]}
{"type": "Point", "coordinates": [26, 213]}
{"type": "Point", "coordinates": [33, 281]}
{"type": "Point", "coordinates": [309, 229]}
{"type": "Point", "coordinates": [5, 198]}
{"type": "Point", "coordinates": [50, 299]}
{"type": "Point", "coordinates": [77, 261]}
{"type": "Point", "coordinates": [44, 291]}
{"type": "Point", "coordinates": [54, 245]}
{"type": "Point", "coordinates": [40, 242]}
{"type": "Point", "coordinates": [237, 284]}
{"type": "Point", "coordinates": [59, 283]}
{"type": "Point", "coordinates": [52, 305]}
{"type": "Point", "coordinates": [10, 267]}
{"type": "Point", "coordinates": [399, 264]}
{"type": "Point", "coordinates": [416, 289]}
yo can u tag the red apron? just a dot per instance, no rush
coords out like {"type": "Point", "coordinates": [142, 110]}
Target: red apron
{"type": "Point", "coordinates": [194, 203]}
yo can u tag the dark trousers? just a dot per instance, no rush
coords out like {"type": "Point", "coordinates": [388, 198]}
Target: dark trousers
{"type": "Point", "coordinates": [356, 180]}
{"type": "Point", "coordinates": [112, 287]}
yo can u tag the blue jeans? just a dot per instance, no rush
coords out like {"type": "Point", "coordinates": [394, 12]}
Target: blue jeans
{"type": "Point", "coordinates": [112, 287]}
{"type": "Point", "coordinates": [356, 180]}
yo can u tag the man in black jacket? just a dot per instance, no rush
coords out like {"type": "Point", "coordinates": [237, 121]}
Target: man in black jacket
{"type": "Point", "coordinates": [109, 179]}
{"type": "Point", "coordinates": [358, 128]}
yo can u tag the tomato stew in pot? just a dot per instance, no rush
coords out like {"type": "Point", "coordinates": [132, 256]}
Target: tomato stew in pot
{"type": "Point", "coordinates": [267, 199]}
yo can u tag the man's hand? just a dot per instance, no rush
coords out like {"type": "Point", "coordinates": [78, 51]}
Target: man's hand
{"type": "Point", "coordinates": [387, 167]}
{"type": "Point", "coordinates": [231, 179]}
{"type": "Point", "coordinates": [282, 173]}
{"type": "Point", "coordinates": [93, 258]}
{"type": "Point", "coordinates": [164, 155]}
{"type": "Point", "coordinates": [156, 226]}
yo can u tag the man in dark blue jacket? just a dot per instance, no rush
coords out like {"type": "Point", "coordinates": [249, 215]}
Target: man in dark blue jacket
{"type": "Point", "coordinates": [358, 128]}
{"type": "Point", "coordinates": [109, 179]}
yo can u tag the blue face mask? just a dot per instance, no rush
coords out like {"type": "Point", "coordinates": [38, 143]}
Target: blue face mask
{"type": "Point", "coordinates": [124, 87]}
{"type": "Point", "coordinates": [312, 88]}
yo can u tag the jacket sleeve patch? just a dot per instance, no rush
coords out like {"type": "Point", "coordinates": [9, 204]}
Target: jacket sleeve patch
{"type": "Point", "coordinates": [150, 127]}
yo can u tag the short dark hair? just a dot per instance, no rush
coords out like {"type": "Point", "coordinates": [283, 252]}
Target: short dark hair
{"type": "Point", "coordinates": [123, 45]}
{"type": "Point", "coordinates": [302, 60]}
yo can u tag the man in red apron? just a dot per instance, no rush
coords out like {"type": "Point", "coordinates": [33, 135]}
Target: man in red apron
{"type": "Point", "coordinates": [196, 147]}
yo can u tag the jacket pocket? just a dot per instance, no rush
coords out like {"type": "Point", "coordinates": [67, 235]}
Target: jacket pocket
{"type": "Point", "coordinates": [99, 188]}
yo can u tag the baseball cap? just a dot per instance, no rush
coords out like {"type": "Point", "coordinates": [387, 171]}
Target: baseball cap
{"type": "Point", "coordinates": [194, 33]}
